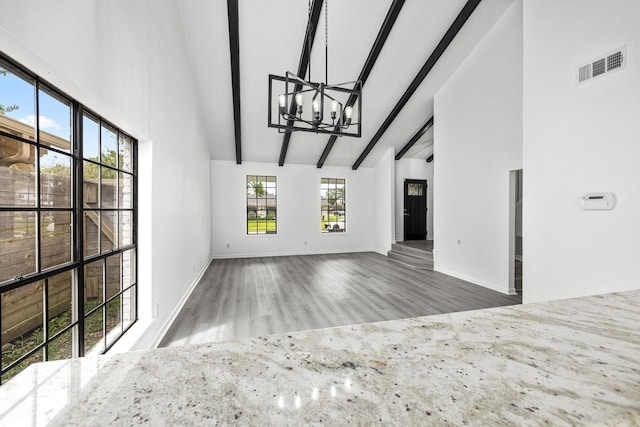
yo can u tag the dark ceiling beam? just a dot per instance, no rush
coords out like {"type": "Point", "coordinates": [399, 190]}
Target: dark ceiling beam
{"type": "Point", "coordinates": [453, 30]}
{"type": "Point", "coordinates": [307, 45]}
{"type": "Point", "coordinates": [385, 29]}
{"type": "Point", "coordinates": [430, 159]}
{"type": "Point", "coordinates": [423, 129]}
{"type": "Point", "coordinates": [234, 50]}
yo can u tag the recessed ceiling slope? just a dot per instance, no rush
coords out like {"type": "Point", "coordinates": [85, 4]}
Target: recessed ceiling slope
{"type": "Point", "coordinates": [207, 37]}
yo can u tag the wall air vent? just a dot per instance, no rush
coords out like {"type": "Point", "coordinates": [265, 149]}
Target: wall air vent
{"type": "Point", "coordinates": [603, 65]}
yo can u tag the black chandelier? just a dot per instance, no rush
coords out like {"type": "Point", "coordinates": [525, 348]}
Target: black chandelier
{"type": "Point", "coordinates": [334, 109]}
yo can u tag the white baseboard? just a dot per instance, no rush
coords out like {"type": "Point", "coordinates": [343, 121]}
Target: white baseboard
{"type": "Point", "coordinates": [473, 280]}
{"type": "Point", "coordinates": [288, 253]}
{"type": "Point", "coordinates": [172, 317]}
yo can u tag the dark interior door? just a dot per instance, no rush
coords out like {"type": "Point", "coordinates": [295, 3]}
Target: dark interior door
{"type": "Point", "coordinates": [415, 209]}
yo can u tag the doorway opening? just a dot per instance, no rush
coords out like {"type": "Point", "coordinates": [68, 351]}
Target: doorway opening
{"type": "Point", "coordinates": [515, 232]}
{"type": "Point", "coordinates": [415, 209]}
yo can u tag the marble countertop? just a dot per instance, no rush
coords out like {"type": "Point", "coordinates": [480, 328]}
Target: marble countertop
{"type": "Point", "coordinates": [570, 362]}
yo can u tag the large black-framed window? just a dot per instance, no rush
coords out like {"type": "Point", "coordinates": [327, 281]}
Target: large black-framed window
{"type": "Point", "coordinates": [333, 205]}
{"type": "Point", "coordinates": [262, 204]}
{"type": "Point", "coordinates": [68, 211]}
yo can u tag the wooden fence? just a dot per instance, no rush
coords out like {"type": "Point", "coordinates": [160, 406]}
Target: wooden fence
{"type": "Point", "coordinates": [22, 309]}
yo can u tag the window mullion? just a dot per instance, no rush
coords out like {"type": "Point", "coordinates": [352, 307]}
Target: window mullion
{"type": "Point", "coordinates": [78, 214]}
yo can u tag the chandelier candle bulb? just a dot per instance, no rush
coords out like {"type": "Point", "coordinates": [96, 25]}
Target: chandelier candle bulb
{"type": "Point", "coordinates": [299, 99]}
{"type": "Point", "coordinates": [282, 100]}
{"type": "Point", "coordinates": [334, 109]}
{"type": "Point", "coordinates": [316, 110]}
{"type": "Point", "coordinates": [347, 114]}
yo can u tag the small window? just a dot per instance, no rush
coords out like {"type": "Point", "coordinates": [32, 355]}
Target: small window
{"type": "Point", "coordinates": [333, 207]}
{"type": "Point", "coordinates": [261, 204]}
{"type": "Point", "coordinates": [415, 190]}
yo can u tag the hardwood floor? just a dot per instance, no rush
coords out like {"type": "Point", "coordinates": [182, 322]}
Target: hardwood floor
{"type": "Point", "coordinates": [425, 245]}
{"type": "Point", "coordinates": [239, 298]}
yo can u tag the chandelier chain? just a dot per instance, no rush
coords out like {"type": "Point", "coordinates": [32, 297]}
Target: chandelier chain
{"type": "Point", "coordinates": [326, 41]}
{"type": "Point", "coordinates": [309, 41]}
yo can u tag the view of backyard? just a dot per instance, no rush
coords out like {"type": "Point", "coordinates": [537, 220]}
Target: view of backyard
{"type": "Point", "coordinates": [52, 248]}
{"type": "Point", "coordinates": [60, 347]}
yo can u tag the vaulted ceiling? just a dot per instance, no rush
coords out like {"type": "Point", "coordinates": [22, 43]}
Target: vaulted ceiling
{"type": "Point", "coordinates": [396, 101]}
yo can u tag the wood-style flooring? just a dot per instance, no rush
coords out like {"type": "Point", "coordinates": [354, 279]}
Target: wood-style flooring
{"type": "Point", "coordinates": [239, 298]}
{"type": "Point", "coordinates": [425, 245]}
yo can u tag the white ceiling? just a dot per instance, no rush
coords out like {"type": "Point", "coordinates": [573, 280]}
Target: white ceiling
{"type": "Point", "coordinates": [271, 37]}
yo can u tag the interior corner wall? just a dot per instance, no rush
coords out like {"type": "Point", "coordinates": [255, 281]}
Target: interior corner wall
{"type": "Point", "coordinates": [579, 140]}
{"type": "Point", "coordinates": [127, 62]}
{"type": "Point", "coordinates": [298, 211]}
{"type": "Point", "coordinates": [384, 202]}
{"type": "Point", "coordinates": [477, 141]}
{"type": "Point", "coordinates": [412, 169]}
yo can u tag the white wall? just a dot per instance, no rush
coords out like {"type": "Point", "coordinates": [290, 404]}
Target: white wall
{"type": "Point", "coordinates": [413, 169]}
{"type": "Point", "coordinates": [298, 195]}
{"type": "Point", "coordinates": [579, 140]}
{"type": "Point", "coordinates": [477, 140]}
{"type": "Point", "coordinates": [126, 61]}
{"type": "Point", "coordinates": [384, 202]}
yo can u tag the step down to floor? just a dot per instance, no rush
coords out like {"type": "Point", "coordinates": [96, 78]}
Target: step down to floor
{"type": "Point", "coordinates": [412, 257]}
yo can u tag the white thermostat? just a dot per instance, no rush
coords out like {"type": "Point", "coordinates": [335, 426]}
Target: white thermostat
{"type": "Point", "coordinates": [598, 202]}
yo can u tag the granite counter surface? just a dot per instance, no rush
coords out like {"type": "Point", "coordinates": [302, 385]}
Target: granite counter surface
{"type": "Point", "coordinates": [570, 362]}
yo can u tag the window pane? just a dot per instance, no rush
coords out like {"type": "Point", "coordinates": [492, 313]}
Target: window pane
{"type": "Point", "coordinates": [61, 347]}
{"type": "Point", "coordinates": [17, 177]}
{"type": "Point", "coordinates": [17, 104]}
{"type": "Point", "coordinates": [414, 189]}
{"type": "Point", "coordinates": [22, 314]}
{"type": "Point", "coordinates": [261, 204]}
{"type": "Point", "coordinates": [91, 176]}
{"type": "Point", "coordinates": [17, 244]}
{"type": "Point", "coordinates": [90, 138]}
{"type": "Point", "coordinates": [108, 227]}
{"type": "Point", "coordinates": [128, 307]}
{"type": "Point", "coordinates": [108, 147]}
{"type": "Point", "coordinates": [125, 192]}
{"type": "Point", "coordinates": [34, 358]}
{"type": "Point", "coordinates": [128, 268]}
{"type": "Point", "coordinates": [55, 179]}
{"type": "Point", "coordinates": [113, 275]}
{"type": "Point", "coordinates": [332, 205]}
{"type": "Point", "coordinates": [93, 332]}
{"type": "Point", "coordinates": [114, 316]}
{"type": "Point", "coordinates": [125, 232]}
{"type": "Point", "coordinates": [93, 285]}
{"type": "Point", "coordinates": [125, 147]}
{"type": "Point", "coordinates": [91, 232]}
{"type": "Point", "coordinates": [60, 292]}
{"type": "Point", "coordinates": [55, 121]}
{"type": "Point", "coordinates": [55, 233]}
{"type": "Point", "coordinates": [108, 187]}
